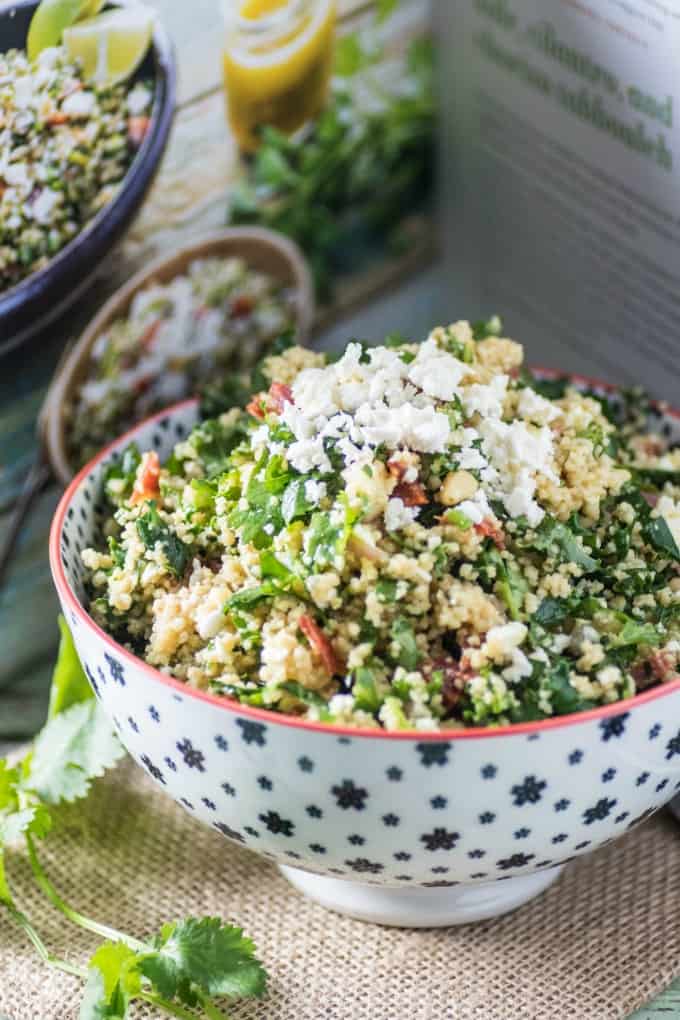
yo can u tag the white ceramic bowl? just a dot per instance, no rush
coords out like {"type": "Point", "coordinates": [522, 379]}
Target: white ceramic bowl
{"type": "Point", "coordinates": [414, 829]}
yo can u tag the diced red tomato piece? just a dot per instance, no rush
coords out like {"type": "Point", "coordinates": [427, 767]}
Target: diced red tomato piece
{"type": "Point", "coordinates": [490, 529]}
{"type": "Point", "coordinates": [241, 306]}
{"type": "Point", "coordinates": [148, 476]}
{"type": "Point", "coordinates": [397, 469]}
{"type": "Point", "coordinates": [271, 402]}
{"type": "Point", "coordinates": [457, 673]}
{"type": "Point", "coordinates": [411, 493]}
{"type": "Point", "coordinates": [256, 406]}
{"type": "Point", "coordinates": [137, 128]}
{"type": "Point", "coordinates": [279, 394]}
{"type": "Point", "coordinates": [320, 644]}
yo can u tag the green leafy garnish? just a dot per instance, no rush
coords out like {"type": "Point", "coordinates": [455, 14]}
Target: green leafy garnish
{"type": "Point", "coordinates": [557, 539]}
{"type": "Point", "coordinates": [366, 696]}
{"type": "Point", "coordinates": [153, 531]}
{"type": "Point", "coordinates": [634, 633]}
{"type": "Point", "coordinates": [190, 962]}
{"type": "Point", "coordinates": [402, 634]}
{"type": "Point", "coordinates": [70, 685]}
{"type": "Point", "coordinates": [386, 589]}
{"type": "Point", "coordinates": [660, 537]}
{"type": "Point", "coordinates": [75, 747]}
{"type": "Point", "coordinates": [303, 694]}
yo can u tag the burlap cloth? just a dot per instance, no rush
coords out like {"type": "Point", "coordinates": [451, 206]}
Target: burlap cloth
{"type": "Point", "coordinates": [598, 944]}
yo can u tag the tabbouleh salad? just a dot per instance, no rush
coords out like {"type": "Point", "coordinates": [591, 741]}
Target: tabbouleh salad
{"type": "Point", "coordinates": [415, 536]}
{"type": "Point", "coordinates": [64, 148]}
{"type": "Point", "coordinates": [220, 315]}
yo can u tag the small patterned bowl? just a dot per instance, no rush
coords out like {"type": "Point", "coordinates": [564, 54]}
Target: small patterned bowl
{"type": "Point", "coordinates": [33, 303]}
{"type": "Point", "coordinates": [414, 829]}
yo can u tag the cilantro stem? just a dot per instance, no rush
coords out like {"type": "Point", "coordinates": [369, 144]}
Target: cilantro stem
{"type": "Point", "coordinates": [170, 1008]}
{"type": "Point", "coordinates": [40, 946]}
{"type": "Point", "coordinates": [211, 1011]}
{"type": "Point", "coordinates": [103, 930]}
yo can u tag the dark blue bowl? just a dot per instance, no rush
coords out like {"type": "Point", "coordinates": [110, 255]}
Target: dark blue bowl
{"type": "Point", "coordinates": [34, 302]}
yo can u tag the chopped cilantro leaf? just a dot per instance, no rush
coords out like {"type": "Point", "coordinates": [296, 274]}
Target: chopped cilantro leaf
{"type": "Point", "coordinates": [660, 537]}
{"type": "Point", "coordinates": [153, 531]}
{"type": "Point", "coordinates": [634, 633]}
{"type": "Point", "coordinates": [366, 696]}
{"type": "Point", "coordinates": [294, 503]}
{"type": "Point", "coordinates": [402, 634]}
{"type": "Point", "coordinates": [303, 694]}
{"type": "Point", "coordinates": [386, 589]}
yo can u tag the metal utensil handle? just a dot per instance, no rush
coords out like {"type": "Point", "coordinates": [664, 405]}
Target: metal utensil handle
{"type": "Point", "coordinates": [34, 483]}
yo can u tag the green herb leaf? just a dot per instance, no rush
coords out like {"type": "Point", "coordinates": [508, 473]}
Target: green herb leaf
{"type": "Point", "coordinates": [74, 748]}
{"type": "Point", "coordinates": [119, 476]}
{"type": "Point", "coordinates": [153, 530]}
{"type": "Point", "coordinates": [458, 519]}
{"type": "Point", "coordinates": [270, 566]}
{"type": "Point", "coordinates": [402, 633]}
{"type": "Point", "coordinates": [563, 696]}
{"type": "Point", "coordinates": [96, 1005]}
{"type": "Point", "coordinates": [323, 539]}
{"type": "Point", "coordinates": [552, 612]}
{"type": "Point", "coordinates": [366, 696]}
{"type": "Point", "coordinates": [248, 598]}
{"type": "Point", "coordinates": [303, 694]}
{"type": "Point", "coordinates": [660, 537]}
{"type": "Point", "coordinates": [386, 589]}
{"type": "Point", "coordinates": [634, 633]}
{"type": "Point", "coordinates": [112, 982]}
{"type": "Point", "coordinates": [70, 685]}
{"type": "Point", "coordinates": [214, 443]}
{"type": "Point", "coordinates": [215, 957]}
{"type": "Point", "coordinates": [505, 579]}
{"type": "Point", "coordinates": [554, 537]}
{"type": "Point", "coordinates": [294, 503]}
{"type": "Point", "coordinates": [9, 781]}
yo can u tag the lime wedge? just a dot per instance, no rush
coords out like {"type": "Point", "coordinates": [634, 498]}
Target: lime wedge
{"type": "Point", "coordinates": [112, 45]}
{"type": "Point", "coordinates": [49, 21]}
{"type": "Point", "coordinates": [91, 8]}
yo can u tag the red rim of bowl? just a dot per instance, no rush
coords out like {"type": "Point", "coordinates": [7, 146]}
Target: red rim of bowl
{"type": "Point", "coordinates": [274, 718]}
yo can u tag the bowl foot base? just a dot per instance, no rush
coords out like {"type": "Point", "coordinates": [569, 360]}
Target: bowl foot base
{"type": "Point", "coordinates": [420, 908]}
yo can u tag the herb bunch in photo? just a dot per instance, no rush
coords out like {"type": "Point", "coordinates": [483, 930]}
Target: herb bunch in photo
{"type": "Point", "coordinates": [367, 161]}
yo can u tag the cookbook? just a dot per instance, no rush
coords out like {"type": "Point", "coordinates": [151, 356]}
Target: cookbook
{"type": "Point", "coordinates": [562, 148]}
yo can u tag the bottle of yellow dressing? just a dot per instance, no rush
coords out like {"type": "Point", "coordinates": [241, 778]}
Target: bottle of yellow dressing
{"type": "Point", "coordinates": [278, 56]}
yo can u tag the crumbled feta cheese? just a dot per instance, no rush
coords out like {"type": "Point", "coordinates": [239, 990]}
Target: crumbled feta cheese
{"type": "Point", "coordinates": [209, 621]}
{"type": "Point", "coordinates": [314, 491]}
{"type": "Point", "coordinates": [138, 99]}
{"type": "Point", "coordinates": [435, 372]}
{"type": "Point", "coordinates": [398, 515]}
{"type": "Point", "coordinates": [421, 429]}
{"type": "Point", "coordinates": [486, 400]}
{"type": "Point", "coordinates": [79, 104]}
{"type": "Point", "coordinates": [536, 408]}
{"type": "Point", "coordinates": [502, 640]}
{"type": "Point", "coordinates": [307, 455]}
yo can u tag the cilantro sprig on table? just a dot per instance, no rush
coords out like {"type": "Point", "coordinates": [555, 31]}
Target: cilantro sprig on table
{"type": "Point", "coordinates": [183, 967]}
